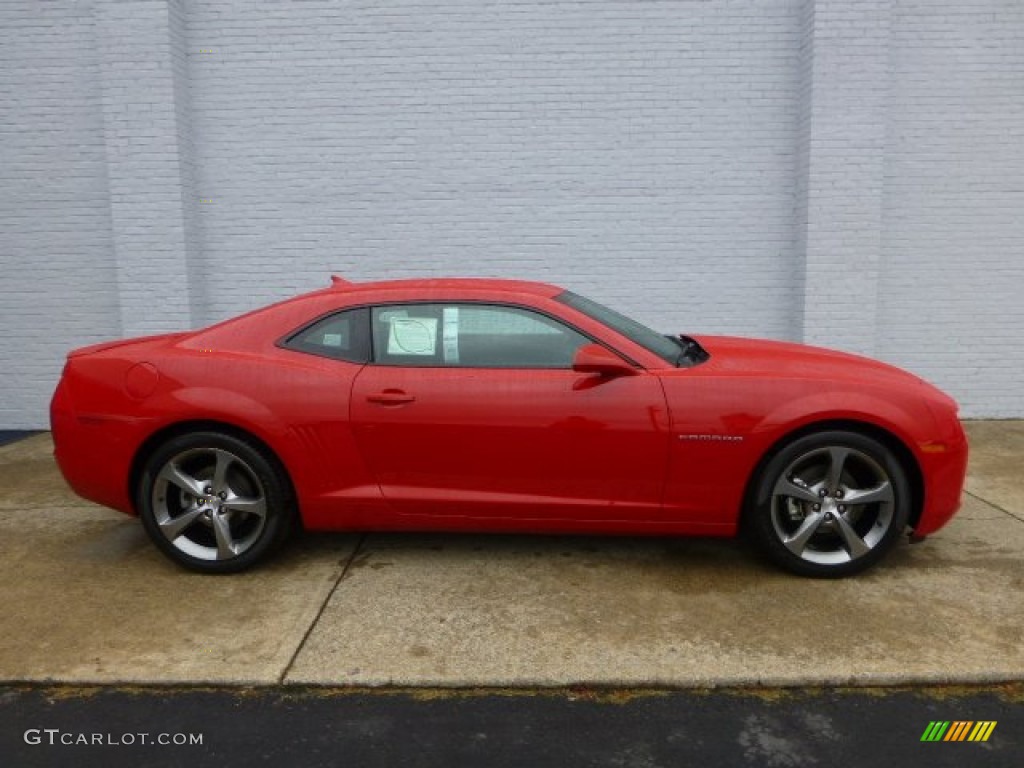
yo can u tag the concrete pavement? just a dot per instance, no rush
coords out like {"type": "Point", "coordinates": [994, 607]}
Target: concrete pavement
{"type": "Point", "coordinates": [87, 599]}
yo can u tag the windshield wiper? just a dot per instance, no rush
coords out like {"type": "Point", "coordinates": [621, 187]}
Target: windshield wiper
{"type": "Point", "coordinates": [691, 352]}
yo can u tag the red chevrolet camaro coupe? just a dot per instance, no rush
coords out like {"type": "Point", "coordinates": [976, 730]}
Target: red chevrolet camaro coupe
{"type": "Point", "coordinates": [495, 405]}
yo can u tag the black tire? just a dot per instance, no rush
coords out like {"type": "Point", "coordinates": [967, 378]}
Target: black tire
{"type": "Point", "coordinates": [797, 516]}
{"type": "Point", "coordinates": [215, 530]}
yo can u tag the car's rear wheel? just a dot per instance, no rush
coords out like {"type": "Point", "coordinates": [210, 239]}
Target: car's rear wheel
{"type": "Point", "coordinates": [830, 504]}
{"type": "Point", "coordinates": [213, 502]}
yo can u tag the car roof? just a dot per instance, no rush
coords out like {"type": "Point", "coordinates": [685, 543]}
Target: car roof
{"type": "Point", "coordinates": [290, 313]}
{"type": "Point", "coordinates": [498, 285]}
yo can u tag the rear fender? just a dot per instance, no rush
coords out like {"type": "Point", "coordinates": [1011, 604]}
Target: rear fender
{"type": "Point", "coordinates": [215, 404]}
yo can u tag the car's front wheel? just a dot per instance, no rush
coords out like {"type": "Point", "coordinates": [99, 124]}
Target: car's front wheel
{"type": "Point", "coordinates": [213, 502]}
{"type": "Point", "coordinates": [830, 504]}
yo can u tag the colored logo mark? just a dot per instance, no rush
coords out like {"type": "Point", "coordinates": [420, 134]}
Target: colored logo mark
{"type": "Point", "coordinates": [958, 730]}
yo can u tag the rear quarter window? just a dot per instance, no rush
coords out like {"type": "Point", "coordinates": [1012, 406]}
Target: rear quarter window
{"type": "Point", "coordinates": [341, 336]}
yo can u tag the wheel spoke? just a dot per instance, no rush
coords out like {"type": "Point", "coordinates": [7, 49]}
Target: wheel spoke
{"type": "Point", "coordinates": [222, 532]}
{"type": "Point", "coordinates": [854, 544]}
{"type": "Point", "coordinates": [881, 493]}
{"type": "Point", "coordinates": [174, 474]}
{"type": "Point", "coordinates": [837, 459]}
{"type": "Point", "coordinates": [173, 527]}
{"type": "Point", "coordinates": [196, 509]}
{"type": "Point", "coordinates": [791, 489]}
{"type": "Point", "coordinates": [845, 515]}
{"type": "Point", "coordinates": [253, 506]}
{"type": "Point", "coordinates": [797, 543]}
{"type": "Point", "coordinates": [220, 472]}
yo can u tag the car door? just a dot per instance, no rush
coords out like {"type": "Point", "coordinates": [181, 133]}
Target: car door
{"type": "Point", "coordinates": [473, 410]}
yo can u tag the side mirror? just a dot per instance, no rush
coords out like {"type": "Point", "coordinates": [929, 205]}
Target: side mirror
{"type": "Point", "coordinates": [593, 358]}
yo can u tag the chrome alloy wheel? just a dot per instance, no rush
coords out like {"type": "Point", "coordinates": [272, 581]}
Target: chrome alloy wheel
{"type": "Point", "coordinates": [832, 505]}
{"type": "Point", "coordinates": [209, 504]}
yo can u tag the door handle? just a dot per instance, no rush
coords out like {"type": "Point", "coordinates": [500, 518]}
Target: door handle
{"type": "Point", "coordinates": [390, 397]}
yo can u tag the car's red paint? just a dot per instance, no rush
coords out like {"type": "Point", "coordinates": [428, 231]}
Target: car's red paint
{"type": "Point", "coordinates": [514, 444]}
{"type": "Point", "coordinates": [664, 450]}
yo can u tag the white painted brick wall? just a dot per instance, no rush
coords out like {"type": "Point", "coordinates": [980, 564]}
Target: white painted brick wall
{"type": "Point", "coordinates": [640, 151]}
{"type": "Point", "coordinates": [697, 163]}
{"type": "Point", "coordinates": [137, 48]}
{"type": "Point", "coordinates": [58, 285]}
{"type": "Point", "coordinates": [844, 150]}
{"type": "Point", "coordinates": [951, 295]}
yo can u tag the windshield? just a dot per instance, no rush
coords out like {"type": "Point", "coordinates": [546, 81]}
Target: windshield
{"type": "Point", "coordinates": [668, 348]}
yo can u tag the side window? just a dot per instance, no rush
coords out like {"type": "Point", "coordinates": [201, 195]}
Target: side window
{"type": "Point", "coordinates": [342, 336]}
{"type": "Point", "coordinates": [471, 336]}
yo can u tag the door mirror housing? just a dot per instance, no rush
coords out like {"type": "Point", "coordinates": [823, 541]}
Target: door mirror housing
{"type": "Point", "coordinates": [593, 358]}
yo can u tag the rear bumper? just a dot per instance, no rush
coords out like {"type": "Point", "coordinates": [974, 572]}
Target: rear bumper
{"type": "Point", "coordinates": [93, 451]}
{"type": "Point", "coordinates": [944, 467]}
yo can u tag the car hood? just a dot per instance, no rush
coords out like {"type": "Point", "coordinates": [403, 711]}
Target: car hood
{"type": "Point", "coordinates": [741, 356]}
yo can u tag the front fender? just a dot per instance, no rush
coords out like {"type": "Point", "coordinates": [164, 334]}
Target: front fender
{"type": "Point", "coordinates": [910, 422]}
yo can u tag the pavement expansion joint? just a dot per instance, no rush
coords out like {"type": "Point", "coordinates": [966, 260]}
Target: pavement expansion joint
{"type": "Point", "coordinates": [323, 605]}
{"type": "Point", "coordinates": [994, 506]}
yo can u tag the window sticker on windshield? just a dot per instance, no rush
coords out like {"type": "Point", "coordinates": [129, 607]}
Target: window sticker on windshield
{"type": "Point", "coordinates": [332, 339]}
{"type": "Point", "coordinates": [450, 335]}
{"type": "Point", "coordinates": [412, 336]}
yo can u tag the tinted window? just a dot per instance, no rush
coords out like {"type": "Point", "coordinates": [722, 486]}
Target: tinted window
{"type": "Point", "coordinates": [471, 336]}
{"type": "Point", "coordinates": [342, 336]}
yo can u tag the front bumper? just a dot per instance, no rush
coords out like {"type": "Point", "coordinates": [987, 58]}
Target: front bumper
{"type": "Point", "coordinates": [944, 468]}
